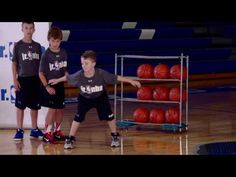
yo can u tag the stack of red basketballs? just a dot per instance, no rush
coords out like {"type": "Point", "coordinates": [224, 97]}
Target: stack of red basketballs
{"type": "Point", "coordinates": [159, 93]}
{"type": "Point", "coordinates": [161, 71]}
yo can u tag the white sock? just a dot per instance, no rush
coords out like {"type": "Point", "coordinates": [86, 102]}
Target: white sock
{"type": "Point", "coordinates": [57, 126]}
{"type": "Point", "coordinates": [48, 128]}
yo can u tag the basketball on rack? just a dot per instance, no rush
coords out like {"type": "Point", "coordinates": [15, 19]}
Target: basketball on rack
{"type": "Point", "coordinates": [144, 93]}
{"type": "Point", "coordinates": [141, 115]}
{"type": "Point", "coordinates": [157, 115]}
{"type": "Point", "coordinates": [161, 71]}
{"type": "Point", "coordinates": [161, 93]}
{"type": "Point", "coordinates": [174, 94]}
{"type": "Point", "coordinates": [172, 115]}
{"type": "Point", "coordinates": [175, 72]}
{"type": "Point", "coordinates": [145, 71]}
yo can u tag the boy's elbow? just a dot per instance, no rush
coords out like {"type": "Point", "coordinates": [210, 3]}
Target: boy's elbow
{"type": "Point", "coordinates": [65, 78]}
{"type": "Point", "coordinates": [41, 74]}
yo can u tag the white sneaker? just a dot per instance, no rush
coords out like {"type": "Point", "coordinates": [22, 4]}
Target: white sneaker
{"type": "Point", "coordinates": [69, 143]}
{"type": "Point", "coordinates": [115, 140]}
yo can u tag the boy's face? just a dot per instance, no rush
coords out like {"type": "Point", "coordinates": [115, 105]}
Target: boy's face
{"type": "Point", "coordinates": [28, 30]}
{"type": "Point", "coordinates": [54, 43]}
{"type": "Point", "coordinates": [87, 64]}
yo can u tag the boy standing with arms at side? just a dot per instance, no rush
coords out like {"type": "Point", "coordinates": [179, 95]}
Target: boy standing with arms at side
{"type": "Point", "coordinates": [53, 65]}
{"type": "Point", "coordinates": [91, 82]}
{"type": "Point", "coordinates": [25, 67]}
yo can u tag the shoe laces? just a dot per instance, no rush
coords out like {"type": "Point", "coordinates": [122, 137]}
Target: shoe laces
{"type": "Point", "coordinates": [69, 141]}
{"type": "Point", "coordinates": [59, 133]}
{"type": "Point", "coordinates": [20, 130]}
{"type": "Point", "coordinates": [49, 135]}
{"type": "Point", "coordinates": [37, 129]}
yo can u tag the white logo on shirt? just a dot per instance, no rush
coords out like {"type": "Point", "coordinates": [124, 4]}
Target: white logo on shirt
{"type": "Point", "coordinates": [88, 89]}
{"type": "Point", "coordinates": [30, 56]}
{"type": "Point", "coordinates": [57, 65]}
{"type": "Point", "coordinates": [111, 115]}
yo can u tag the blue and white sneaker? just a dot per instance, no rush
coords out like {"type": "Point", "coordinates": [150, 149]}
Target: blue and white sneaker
{"type": "Point", "coordinates": [36, 133]}
{"type": "Point", "coordinates": [19, 135]}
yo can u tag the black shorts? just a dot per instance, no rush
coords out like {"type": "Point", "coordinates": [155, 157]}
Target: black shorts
{"type": "Point", "coordinates": [56, 101]}
{"type": "Point", "coordinates": [101, 103]}
{"type": "Point", "coordinates": [29, 93]}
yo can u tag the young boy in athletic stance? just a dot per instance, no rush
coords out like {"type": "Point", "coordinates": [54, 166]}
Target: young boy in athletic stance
{"type": "Point", "coordinates": [91, 82]}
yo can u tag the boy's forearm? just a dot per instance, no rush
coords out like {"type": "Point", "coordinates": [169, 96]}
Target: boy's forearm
{"type": "Point", "coordinates": [123, 79]}
{"type": "Point", "coordinates": [43, 79]}
{"type": "Point", "coordinates": [62, 79]}
{"type": "Point", "coordinates": [14, 71]}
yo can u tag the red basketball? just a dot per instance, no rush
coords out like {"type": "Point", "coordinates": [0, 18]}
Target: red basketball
{"type": "Point", "coordinates": [144, 93]}
{"type": "Point", "coordinates": [176, 70]}
{"type": "Point", "coordinates": [161, 93]}
{"type": "Point", "coordinates": [145, 71]}
{"type": "Point", "coordinates": [172, 115]}
{"type": "Point", "coordinates": [162, 71]}
{"type": "Point", "coordinates": [157, 116]}
{"type": "Point", "coordinates": [141, 115]}
{"type": "Point", "coordinates": [174, 94]}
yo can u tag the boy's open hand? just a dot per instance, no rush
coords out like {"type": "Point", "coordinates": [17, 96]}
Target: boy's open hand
{"type": "Point", "coordinates": [51, 90]}
{"type": "Point", "coordinates": [135, 83]}
{"type": "Point", "coordinates": [17, 85]}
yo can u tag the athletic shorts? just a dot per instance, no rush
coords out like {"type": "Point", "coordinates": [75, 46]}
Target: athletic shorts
{"type": "Point", "coordinates": [101, 103]}
{"type": "Point", "coordinates": [56, 101]}
{"type": "Point", "coordinates": [29, 93]}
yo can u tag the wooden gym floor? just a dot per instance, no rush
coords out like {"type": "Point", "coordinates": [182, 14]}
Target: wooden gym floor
{"type": "Point", "coordinates": [212, 118]}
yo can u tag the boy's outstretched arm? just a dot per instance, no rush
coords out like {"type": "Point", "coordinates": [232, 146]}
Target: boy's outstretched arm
{"type": "Point", "coordinates": [72, 79]}
{"type": "Point", "coordinates": [131, 81]}
{"type": "Point", "coordinates": [56, 81]}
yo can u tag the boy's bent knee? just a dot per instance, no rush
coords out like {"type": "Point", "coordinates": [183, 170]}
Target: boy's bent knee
{"type": "Point", "coordinates": [78, 118]}
{"type": "Point", "coordinates": [110, 117]}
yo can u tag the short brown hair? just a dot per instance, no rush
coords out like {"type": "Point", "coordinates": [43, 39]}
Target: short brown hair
{"type": "Point", "coordinates": [28, 22]}
{"type": "Point", "coordinates": [55, 33]}
{"type": "Point", "coordinates": [90, 54]}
